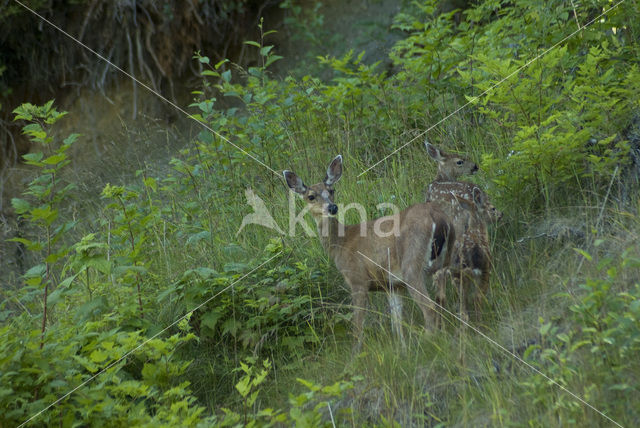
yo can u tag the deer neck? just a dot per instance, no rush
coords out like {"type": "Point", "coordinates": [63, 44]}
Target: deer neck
{"type": "Point", "coordinates": [442, 177]}
{"type": "Point", "coordinates": [331, 234]}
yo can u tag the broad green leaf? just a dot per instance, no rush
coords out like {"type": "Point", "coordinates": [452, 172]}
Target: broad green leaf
{"type": "Point", "coordinates": [264, 51]}
{"type": "Point", "coordinates": [243, 386]}
{"type": "Point", "coordinates": [33, 157]}
{"type": "Point", "coordinates": [272, 59]}
{"type": "Point", "coordinates": [210, 319]}
{"type": "Point", "coordinates": [36, 271]}
{"type": "Point", "coordinates": [98, 356]}
{"type": "Point", "coordinates": [20, 205]}
{"type": "Point", "coordinates": [55, 159]}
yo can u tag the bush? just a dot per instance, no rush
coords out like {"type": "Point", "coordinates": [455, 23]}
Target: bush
{"type": "Point", "coordinates": [592, 352]}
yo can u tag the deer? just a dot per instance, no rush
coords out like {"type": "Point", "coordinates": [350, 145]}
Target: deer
{"type": "Point", "coordinates": [450, 166]}
{"type": "Point", "coordinates": [471, 262]}
{"type": "Point", "coordinates": [470, 211]}
{"type": "Point", "coordinates": [372, 259]}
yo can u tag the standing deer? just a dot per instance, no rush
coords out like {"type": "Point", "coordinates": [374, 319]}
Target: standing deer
{"type": "Point", "coordinates": [469, 211]}
{"type": "Point", "coordinates": [372, 259]}
{"type": "Point", "coordinates": [470, 263]}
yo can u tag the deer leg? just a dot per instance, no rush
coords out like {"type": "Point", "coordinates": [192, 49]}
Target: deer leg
{"type": "Point", "coordinates": [415, 282]}
{"type": "Point", "coordinates": [359, 303]}
{"type": "Point", "coordinates": [463, 284]}
{"type": "Point", "coordinates": [440, 282]}
{"type": "Point", "coordinates": [395, 303]}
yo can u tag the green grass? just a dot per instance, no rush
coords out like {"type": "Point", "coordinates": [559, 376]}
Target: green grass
{"type": "Point", "coordinates": [574, 319]}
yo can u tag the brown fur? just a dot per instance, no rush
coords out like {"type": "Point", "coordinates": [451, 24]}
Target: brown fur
{"type": "Point", "coordinates": [450, 166]}
{"type": "Point", "coordinates": [469, 211]}
{"type": "Point", "coordinates": [471, 263]}
{"type": "Point", "coordinates": [421, 246]}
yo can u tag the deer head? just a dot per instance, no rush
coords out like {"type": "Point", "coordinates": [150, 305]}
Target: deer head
{"type": "Point", "coordinates": [319, 196]}
{"type": "Point", "coordinates": [481, 205]}
{"type": "Point", "coordinates": [450, 167]}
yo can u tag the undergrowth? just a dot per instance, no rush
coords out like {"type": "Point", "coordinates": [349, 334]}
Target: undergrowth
{"type": "Point", "coordinates": [162, 311]}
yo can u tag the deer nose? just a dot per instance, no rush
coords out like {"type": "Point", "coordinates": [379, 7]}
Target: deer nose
{"type": "Point", "coordinates": [475, 168]}
{"type": "Point", "coordinates": [333, 209]}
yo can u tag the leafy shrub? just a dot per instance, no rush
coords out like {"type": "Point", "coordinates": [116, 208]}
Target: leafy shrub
{"type": "Point", "coordinates": [143, 388]}
{"type": "Point", "coordinates": [551, 123]}
{"type": "Point", "coordinates": [42, 207]}
{"type": "Point", "coordinates": [275, 310]}
{"type": "Point", "coordinates": [308, 409]}
{"type": "Point", "coordinates": [593, 352]}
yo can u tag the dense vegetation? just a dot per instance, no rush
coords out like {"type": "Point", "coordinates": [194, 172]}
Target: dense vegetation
{"type": "Point", "coordinates": [147, 307]}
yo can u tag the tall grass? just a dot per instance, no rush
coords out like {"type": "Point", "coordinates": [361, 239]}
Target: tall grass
{"type": "Point", "coordinates": [563, 261]}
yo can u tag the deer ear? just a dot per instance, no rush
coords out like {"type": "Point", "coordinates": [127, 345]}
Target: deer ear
{"type": "Point", "coordinates": [433, 151]}
{"type": "Point", "coordinates": [334, 171]}
{"type": "Point", "coordinates": [294, 182]}
{"type": "Point", "coordinates": [478, 197]}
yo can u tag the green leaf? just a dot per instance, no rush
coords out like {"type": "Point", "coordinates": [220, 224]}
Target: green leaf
{"type": "Point", "coordinates": [98, 356]}
{"type": "Point", "coordinates": [544, 329]}
{"type": "Point", "coordinates": [308, 384]}
{"type": "Point", "coordinates": [20, 205]}
{"type": "Point", "coordinates": [210, 319]}
{"type": "Point", "coordinates": [33, 157]}
{"type": "Point", "coordinates": [71, 139]}
{"type": "Point", "coordinates": [34, 281]}
{"type": "Point", "coordinates": [272, 59]}
{"type": "Point", "coordinates": [36, 271]}
{"type": "Point", "coordinates": [265, 50]}
{"type": "Point", "coordinates": [23, 112]}
{"type": "Point", "coordinates": [230, 326]}
{"type": "Point", "coordinates": [243, 386]}
{"type": "Point", "coordinates": [151, 183]}
{"type": "Point", "coordinates": [56, 295]}
{"type": "Point", "coordinates": [67, 281]}
{"type": "Point", "coordinates": [219, 64]}
{"type": "Point", "coordinates": [54, 257]}
{"type": "Point", "coordinates": [252, 43]}
{"type": "Point", "coordinates": [86, 363]}
{"type": "Point", "coordinates": [55, 159]}
{"type": "Point", "coordinates": [583, 253]}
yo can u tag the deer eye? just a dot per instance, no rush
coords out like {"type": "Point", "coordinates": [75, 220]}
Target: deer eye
{"type": "Point", "coordinates": [459, 162]}
{"type": "Point", "coordinates": [311, 197]}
